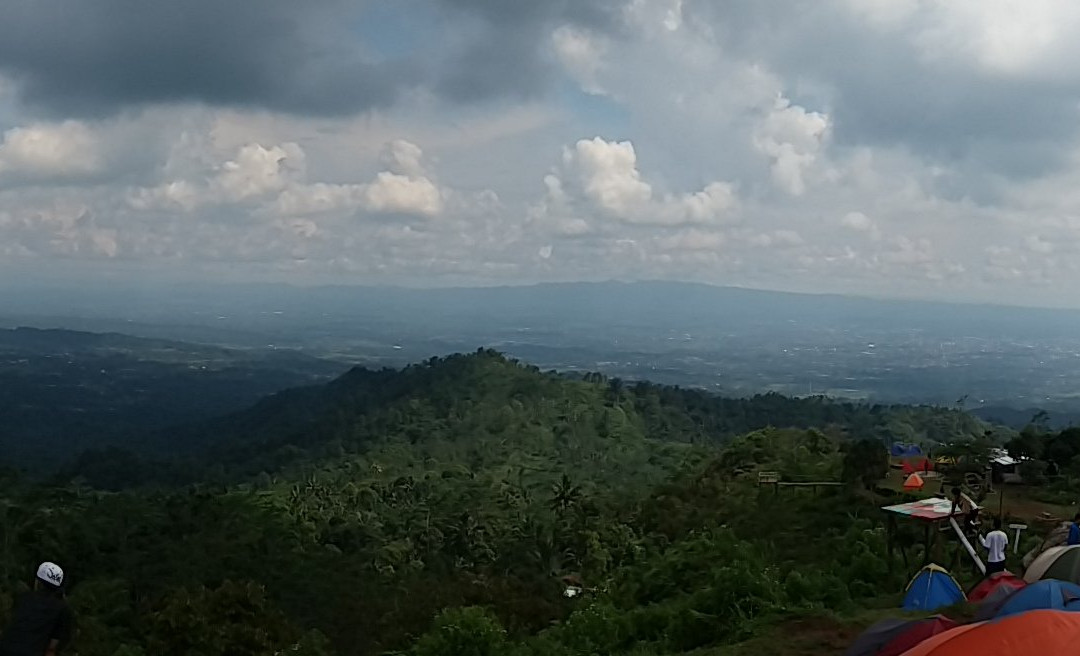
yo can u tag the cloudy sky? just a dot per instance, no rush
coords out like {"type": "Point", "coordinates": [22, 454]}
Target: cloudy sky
{"type": "Point", "coordinates": [917, 148]}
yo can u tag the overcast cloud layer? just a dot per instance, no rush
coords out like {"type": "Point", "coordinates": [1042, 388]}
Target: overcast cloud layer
{"type": "Point", "coordinates": [886, 147]}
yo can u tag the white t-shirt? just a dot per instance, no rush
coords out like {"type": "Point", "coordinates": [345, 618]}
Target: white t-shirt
{"type": "Point", "coordinates": [995, 543]}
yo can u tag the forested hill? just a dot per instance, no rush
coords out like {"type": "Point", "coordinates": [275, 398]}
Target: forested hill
{"type": "Point", "coordinates": [464, 404]}
{"type": "Point", "coordinates": [439, 507]}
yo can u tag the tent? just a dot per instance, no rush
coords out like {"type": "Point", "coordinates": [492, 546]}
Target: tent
{"type": "Point", "coordinates": [920, 465]}
{"type": "Point", "coordinates": [899, 450]}
{"type": "Point", "coordinates": [994, 599]}
{"type": "Point", "coordinates": [1037, 632]}
{"type": "Point", "coordinates": [1057, 537]}
{"type": "Point", "coordinates": [893, 637]}
{"type": "Point", "coordinates": [995, 587]}
{"type": "Point", "coordinates": [1062, 563]}
{"type": "Point", "coordinates": [913, 482]}
{"type": "Point", "coordinates": [1041, 595]}
{"type": "Point", "coordinates": [932, 588]}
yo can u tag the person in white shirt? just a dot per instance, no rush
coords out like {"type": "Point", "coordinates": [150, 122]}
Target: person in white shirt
{"type": "Point", "coordinates": [995, 543]}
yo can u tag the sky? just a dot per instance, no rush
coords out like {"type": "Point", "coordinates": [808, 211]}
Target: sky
{"type": "Point", "coordinates": [897, 148]}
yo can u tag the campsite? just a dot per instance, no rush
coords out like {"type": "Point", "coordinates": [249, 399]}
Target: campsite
{"type": "Point", "coordinates": [1032, 611]}
{"type": "Point", "coordinates": [951, 604]}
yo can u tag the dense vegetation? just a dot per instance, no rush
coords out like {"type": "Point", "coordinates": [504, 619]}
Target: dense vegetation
{"type": "Point", "coordinates": [485, 408]}
{"type": "Point", "coordinates": [1051, 458]}
{"type": "Point", "coordinates": [437, 509]}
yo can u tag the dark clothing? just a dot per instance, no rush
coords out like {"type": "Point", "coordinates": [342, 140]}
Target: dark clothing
{"type": "Point", "coordinates": [1074, 534]}
{"type": "Point", "coordinates": [38, 618]}
{"type": "Point", "coordinates": [973, 519]}
{"type": "Point", "coordinates": [995, 567]}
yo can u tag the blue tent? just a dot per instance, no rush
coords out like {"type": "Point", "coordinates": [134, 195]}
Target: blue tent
{"type": "Point", "coordinates": [900, 450]}
{"type": "Point", "coordinates": [932, 588]}
{"type": "Point", "coordinates": [1048, 594]}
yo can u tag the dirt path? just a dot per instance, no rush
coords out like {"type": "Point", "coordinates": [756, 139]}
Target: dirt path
{"type": "Point", "coordinates": [810, 636]}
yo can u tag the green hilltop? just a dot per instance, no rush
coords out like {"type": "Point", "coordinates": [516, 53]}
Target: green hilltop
{"type": "Point", "coordinates": [443, 509]}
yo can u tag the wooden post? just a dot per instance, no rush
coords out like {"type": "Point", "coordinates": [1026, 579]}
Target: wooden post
{"type": "Point", "coordinates": [890, 538]}
{"type": "Point", "coordinates": [926, 540]}
{"type": "Point", "coordinates": [933, 539]}
{"type": "Point", "coordinates": [1016, 540]}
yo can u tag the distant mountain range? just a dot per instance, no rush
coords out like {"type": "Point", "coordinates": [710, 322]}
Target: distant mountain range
{"type": "Point", "coordinates": [651, 304]}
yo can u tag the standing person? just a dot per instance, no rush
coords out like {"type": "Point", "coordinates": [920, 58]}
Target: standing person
{"type": "Point", "coordinates": [995, 543]}
{"type": "Point", "coordinates": [42, 623]}
{"type": "Point", "coordinates": [967, 507]}
{"type": "Point", "coordinates": [1074, 530]}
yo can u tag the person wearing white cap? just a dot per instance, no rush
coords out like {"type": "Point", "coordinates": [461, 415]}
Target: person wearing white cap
{"type": "Point", "coordinates": [42, 622]}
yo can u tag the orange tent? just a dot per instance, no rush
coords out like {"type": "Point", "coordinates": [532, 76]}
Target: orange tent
{"type": "Point", "coordinates": [913, 482]}
{"type": "Point", "coordinates": [1034, 632]}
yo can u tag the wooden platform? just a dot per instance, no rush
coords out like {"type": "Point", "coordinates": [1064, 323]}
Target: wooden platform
{"type": "Point", "coordinates": [773, 478]}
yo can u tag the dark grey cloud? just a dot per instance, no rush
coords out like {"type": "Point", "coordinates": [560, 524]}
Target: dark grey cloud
{"type": "Point", "coordinates": [880, 89]}
{"type": "Point", "coordinates": [95, 57]}
{"type": "Point", "coordinates": [85, 58]}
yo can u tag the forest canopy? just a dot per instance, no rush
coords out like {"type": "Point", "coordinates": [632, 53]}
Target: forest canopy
{"type": "Point", "coordinates": [448, 503]}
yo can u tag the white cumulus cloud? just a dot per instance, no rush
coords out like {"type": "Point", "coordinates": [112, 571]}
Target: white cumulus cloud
{"type": "Point", "coordinates": [400, 194]}
{"type": "Point", "coordinates": [46, 151]}
{"type": "Point", "coordinates": [602, 177]}
{"type": "Point", "coordinates": [791, 137]}
{"type": "Point", "coordinates": [257, 171]}
{"type": "Point", "coordinates": [581, 54]}
{"type": "Point", "coordinates": [402, 157]}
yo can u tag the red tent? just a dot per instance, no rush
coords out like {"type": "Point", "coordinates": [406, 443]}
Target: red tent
{"type": "Point", "coordinates": [995, 586]}
{"type": "Point", "coordinates": [894, 637]}
{"type": "Point", "coordinates": [920, 465]}
{"type": "Point", "coordinates": [916, 634]}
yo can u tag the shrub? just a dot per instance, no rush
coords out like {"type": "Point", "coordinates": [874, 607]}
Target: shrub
{"type": "Point", "coordinates": [1033, 472]}
{"type": "Point", "coordinates": [598, 629]}
{"type": "Point", "coordinates": [691, 629]}
{"type": "Point", "coordinates": [467, 631]}
{"type": "Point", "coordinates": [816, 588]}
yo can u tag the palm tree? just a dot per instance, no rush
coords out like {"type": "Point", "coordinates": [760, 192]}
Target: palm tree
{"type": "Point", "coordinates": [565, 494]}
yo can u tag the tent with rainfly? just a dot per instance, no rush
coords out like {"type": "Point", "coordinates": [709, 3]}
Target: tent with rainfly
{"type": "Point", "coordinates": [932, 588]}
{"type": "Point", "coordinates": [995, 587]}
{"type": "Point", "coordinates": [1041, 595]}
{"type": "Point", "coordinates": [1038, 632]}
{"type": "Point", "coordinates": [893, 637]}
{"type": "Point", "coordinates": [1062, 563]}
